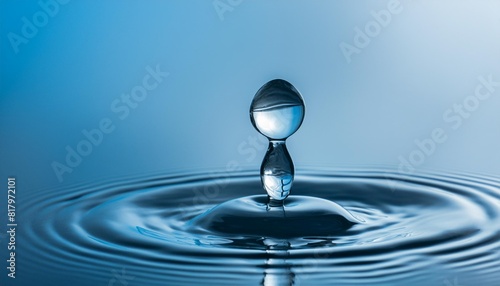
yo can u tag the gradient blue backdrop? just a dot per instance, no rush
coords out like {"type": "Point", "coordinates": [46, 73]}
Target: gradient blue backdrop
{"type": "Point", "coordinates": [368, 111]}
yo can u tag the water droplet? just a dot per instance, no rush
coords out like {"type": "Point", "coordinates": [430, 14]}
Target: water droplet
{"type": "Point", "coordinates": [277, 111]}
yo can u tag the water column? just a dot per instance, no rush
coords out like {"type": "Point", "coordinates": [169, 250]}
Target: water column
{"type": "Point", "coordinates": [277, 111]}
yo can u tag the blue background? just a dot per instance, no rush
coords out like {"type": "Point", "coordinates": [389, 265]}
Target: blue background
{"type": "Point", "coordinates": [368, 111]}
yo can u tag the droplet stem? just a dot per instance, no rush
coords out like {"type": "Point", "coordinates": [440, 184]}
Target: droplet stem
{"type": "Point", "coordinates": [277, 171]}
{"type": "Point", "coordinates": [275, 203]}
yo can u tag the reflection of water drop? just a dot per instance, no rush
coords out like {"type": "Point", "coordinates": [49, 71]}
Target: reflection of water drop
{"type": "Point", "coordinates": [278, 254]}
{"type": "Point", "coordinates": [277, 111]}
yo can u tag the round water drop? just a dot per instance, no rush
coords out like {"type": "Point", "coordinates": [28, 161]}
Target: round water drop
{"type": "Point", "coordinates": [277, 111]}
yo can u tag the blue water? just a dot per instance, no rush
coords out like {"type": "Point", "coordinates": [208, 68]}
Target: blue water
{"type": "Point", "coordinates": [401, 230]}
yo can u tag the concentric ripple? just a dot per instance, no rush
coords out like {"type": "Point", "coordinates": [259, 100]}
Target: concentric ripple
{"type": "Point", "coordinates": [424, 228]}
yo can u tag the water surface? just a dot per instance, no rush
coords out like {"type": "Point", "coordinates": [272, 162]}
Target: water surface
{"type": "Point", "coordinates": [426, 228]}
